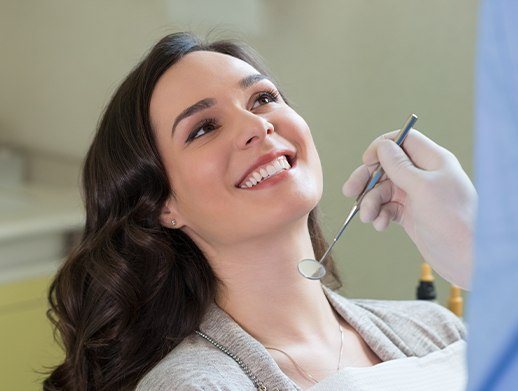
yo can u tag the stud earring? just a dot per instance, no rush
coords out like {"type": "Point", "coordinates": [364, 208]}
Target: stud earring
{"type": "Point", "coordinates": [173, 222]}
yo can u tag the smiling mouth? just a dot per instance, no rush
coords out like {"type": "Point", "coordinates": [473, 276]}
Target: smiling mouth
{"type": "Point", "coordinates": [267, 171]}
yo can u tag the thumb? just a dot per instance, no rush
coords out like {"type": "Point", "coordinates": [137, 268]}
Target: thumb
{"type": "Point", "coordinates": [397, 165]}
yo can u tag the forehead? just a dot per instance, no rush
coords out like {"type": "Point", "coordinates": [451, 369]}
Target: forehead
{"type": "Point", "coordinates": [207, 66]}
{"type": "Point", "coordinates": [200, 73]}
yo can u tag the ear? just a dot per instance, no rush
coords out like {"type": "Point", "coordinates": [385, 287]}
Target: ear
{"type": "Point", "coordinates": [170, 212]}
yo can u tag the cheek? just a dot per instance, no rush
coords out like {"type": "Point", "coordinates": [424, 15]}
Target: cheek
{"type": "Point", "coordinates": [294, 123]}
{"type": "Point", "coordinates": [312, 158]}
{"type": "Point", "coordinates": [200, 187]}
{"type": "Point", "coordinates": [298, 130]}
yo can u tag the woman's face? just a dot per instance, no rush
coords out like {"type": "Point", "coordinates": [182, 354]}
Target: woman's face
{"type": "Point", "coordinates": [214, 117]}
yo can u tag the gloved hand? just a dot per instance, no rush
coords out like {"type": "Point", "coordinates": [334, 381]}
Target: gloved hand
{"type": "Point", "coordinates": [426, 191]}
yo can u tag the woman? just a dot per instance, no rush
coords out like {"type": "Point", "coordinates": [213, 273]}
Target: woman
{"type": "Point", "coordinates": [201, 190]}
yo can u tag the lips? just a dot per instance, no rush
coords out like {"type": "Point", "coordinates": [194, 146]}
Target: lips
{"type": "Point", "coordinates": [266, 158]}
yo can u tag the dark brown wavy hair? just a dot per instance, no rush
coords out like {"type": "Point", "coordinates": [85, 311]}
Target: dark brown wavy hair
{"type": "Point", "coordinates": [131, 290]}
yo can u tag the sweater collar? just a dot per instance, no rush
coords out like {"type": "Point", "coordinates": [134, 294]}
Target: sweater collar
{"type": "Point", "coordinates": [220, 326]}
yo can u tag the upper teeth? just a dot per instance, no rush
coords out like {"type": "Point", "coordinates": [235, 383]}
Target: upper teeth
{"type": "Point", "coordinates": [270, 169]}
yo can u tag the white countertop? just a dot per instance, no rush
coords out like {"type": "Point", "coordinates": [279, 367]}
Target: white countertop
{"type": "Point", "coordinates": [33, 209]}
{"type": "Point", "coordinates": [34, 222]}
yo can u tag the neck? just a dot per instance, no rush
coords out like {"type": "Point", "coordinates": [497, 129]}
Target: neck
{"type": "Point", "coordinates": [264, 292]}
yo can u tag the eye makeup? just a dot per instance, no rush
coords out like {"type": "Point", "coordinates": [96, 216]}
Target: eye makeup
{"type": "Point", "coordinates": [210, 124]}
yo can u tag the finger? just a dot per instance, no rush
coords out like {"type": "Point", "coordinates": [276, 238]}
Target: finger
{"type": "Point", "coordinates": [373, 201]}
{"type": "Point", "coordinates": [398, 167]}
{"type": "Point", "coordinates": [389, 212]}
{"type": "Point", "coordinates": [423, 152]}
{"type": "Point", "coordinates": [358, 180]}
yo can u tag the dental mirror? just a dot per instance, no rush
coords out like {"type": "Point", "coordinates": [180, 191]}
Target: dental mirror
{"type": "Point", "coordinates": [315, 270]}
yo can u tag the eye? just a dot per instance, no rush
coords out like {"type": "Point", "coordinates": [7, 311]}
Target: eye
{"type": "Point", "coordinates": [207, 126]}
{"type": "Point", "coordinates": [265, 97]}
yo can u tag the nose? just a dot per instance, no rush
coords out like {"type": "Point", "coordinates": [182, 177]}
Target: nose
{"type": "Point", "coordinates": [252, 129]}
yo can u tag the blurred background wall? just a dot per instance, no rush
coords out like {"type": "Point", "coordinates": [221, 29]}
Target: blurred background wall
{"type": "Point", "coordinates": [353, 69]}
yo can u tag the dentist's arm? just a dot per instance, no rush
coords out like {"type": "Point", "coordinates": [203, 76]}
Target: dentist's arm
{"type": "Point", "coordinates": [427, 192]}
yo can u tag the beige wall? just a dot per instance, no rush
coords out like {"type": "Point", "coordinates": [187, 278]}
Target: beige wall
{"type": "Point", "coordinates": [353, 69]}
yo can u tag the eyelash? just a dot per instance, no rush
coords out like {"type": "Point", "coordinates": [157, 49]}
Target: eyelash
{"type": "Point", "coordinates": [270, 93]}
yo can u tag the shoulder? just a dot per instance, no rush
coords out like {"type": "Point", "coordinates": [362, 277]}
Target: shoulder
{"type": "Point", "coordinates": [420, 325]}
{"type": "Point", "coordinates": [194, 365]}
{"type": "Point", "coordinates": [397, 313]}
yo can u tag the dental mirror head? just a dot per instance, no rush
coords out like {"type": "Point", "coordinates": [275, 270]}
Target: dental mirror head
{"type": "Point", "coordinates": [311, 269]}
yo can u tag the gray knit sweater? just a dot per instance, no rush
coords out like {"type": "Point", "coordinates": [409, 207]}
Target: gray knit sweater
{"type": "Point", "coordinates": [392, 329]}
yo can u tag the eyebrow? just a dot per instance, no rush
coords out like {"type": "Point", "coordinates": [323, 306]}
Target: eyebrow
{"type": "Point", "coordinates": [252, 79]}
{"type": "Point", "coordinates": [206, 103]}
